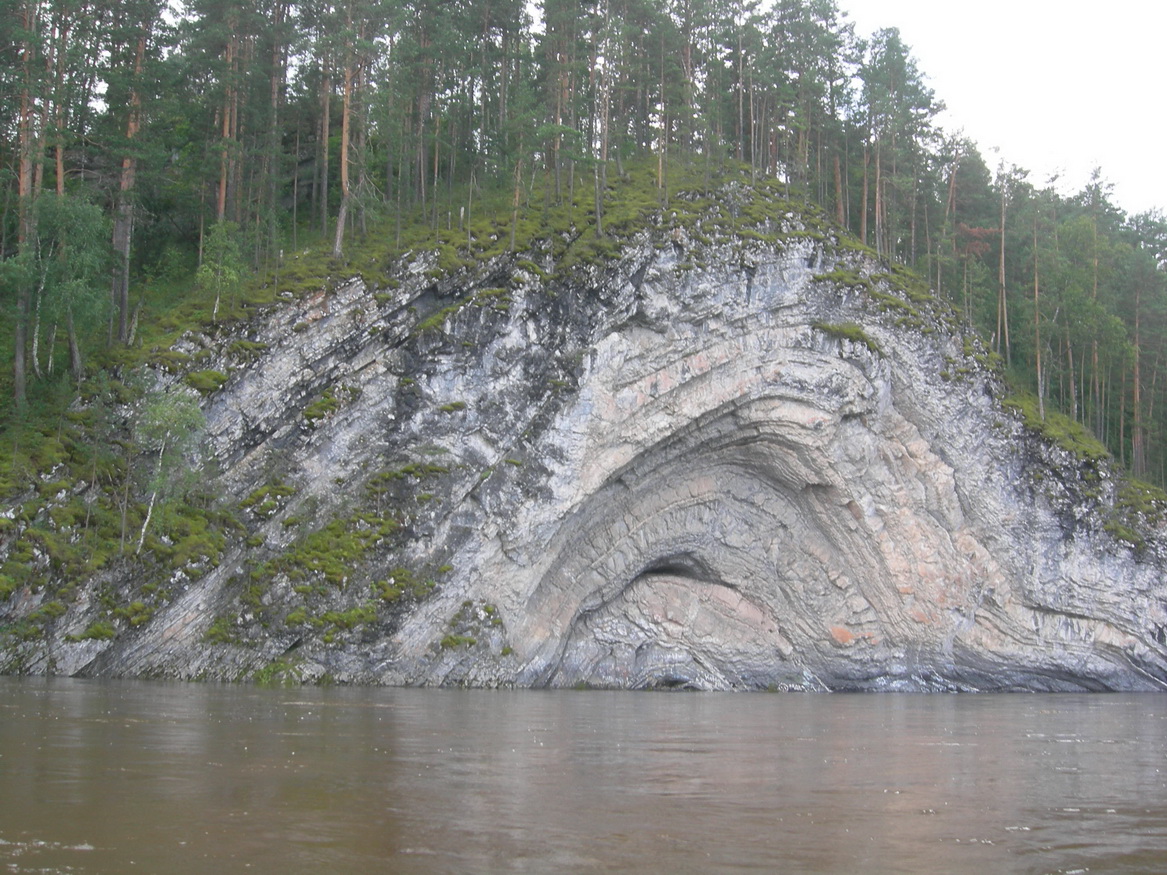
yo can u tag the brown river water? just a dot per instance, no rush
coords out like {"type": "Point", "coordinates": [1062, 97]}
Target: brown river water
{"type": "Point", "coordinates": [125, 777]}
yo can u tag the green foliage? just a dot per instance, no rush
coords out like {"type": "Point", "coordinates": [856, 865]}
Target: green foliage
{"type": "Point", "coordinates": [446, 186]}
{"type": "Point", "coordinates": [22, 631]}
{"type": "Point", "coordinates": [909, 316]}
{"type": "Point", "coordinates": [65, 265]}
{"type": "Point", "coordinates": [328, 403]}
{"type": "Point", "coordinates": [266, 500]}
{"type": "Point", "coordinates": [1138, 508]}
{"type": "Point", "coordinates": [82, 519]}
{"type": "Point", "coordinates": [1058, 429]}
{"type": "Point", "coordinates": [279, 673]}
{"type": "Point", "coordinates": [206, 382]}
{"type": "Point", "coordinates": [350, 619]}
{"type": "Point", "coordinates": [322, 407]}
{"type": "Point", "coordinates": [1136, 498]}
{"type": "Point", "coordinates": [98, 630]}
{"type": "Point", "coordinates": [474, 621]}
{"type": "Point", "coordinates": [169, 421]}
{"type": "Point", "coordinates": [455, 199]}
{"type": "Point", "coordinates": [331, 553]}
{"type": "Point", "coordinates": [135, 614]}
{"type": "Point", "coordinates": [484, 297]}
{"type": "Point", "coordinates": [387, 590]}
{"type": "Point", "coordinates": [911, 283]}
{"type": "Point", "coordinates": [1125, 533]}
{"type": "Point", "coordinates": [221, 631]}
{"type": "Point", "coordinates": [437, 321]}
{"type": "Point", "coordinates": [452, 642]}
{"type": "Point", "coordinates": [851, 332]}
{"type": "Point", "coordinates": [221, 272]}
{"type": "Point", "coordinates": [195, 537]}
{"type": "Point", "coordinates": [845, 277]}
{"type": "Point", "coordinates": [169, 426]}
{"type": "Point", "coordinates": [247, 350]}
{"type": "Point", "coordinates": [47, 612]}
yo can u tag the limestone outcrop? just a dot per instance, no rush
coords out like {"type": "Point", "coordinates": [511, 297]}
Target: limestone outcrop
{"type": "Point", "coordinates": [764, 461]}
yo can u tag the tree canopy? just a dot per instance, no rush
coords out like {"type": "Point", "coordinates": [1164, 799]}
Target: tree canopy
{"type": "Point", "coordinates": [142, 140]}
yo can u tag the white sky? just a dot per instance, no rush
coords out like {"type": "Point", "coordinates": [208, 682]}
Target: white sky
{"type": "Point", "coordinates": [1057, 86]}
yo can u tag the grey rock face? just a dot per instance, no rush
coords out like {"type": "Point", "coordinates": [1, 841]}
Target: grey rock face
{"type": "Point", "coordinates": [654, 474]}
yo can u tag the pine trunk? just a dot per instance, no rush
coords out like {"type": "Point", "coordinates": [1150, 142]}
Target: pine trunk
{"type": "Point", "coordinates": [1037, 325]}
{"type": "Point", "coordinates": [345, 126]}
{"type": "Point", "coordinates": [1002, 308]}
{"type": "Point", "coordinates": [123, 227]}
{"type": "Point", "coordinates": [1138, 451]}
{"type": "Point", "coordinates": [26, 139]}
{"type": "Point", "coordinates": [225, 136]}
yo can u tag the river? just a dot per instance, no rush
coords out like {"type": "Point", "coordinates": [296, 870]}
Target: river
{"type": "Point", "coordinates": [127, 776]}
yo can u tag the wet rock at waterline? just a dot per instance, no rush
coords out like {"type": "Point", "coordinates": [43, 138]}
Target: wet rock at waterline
{"type": "Point", "coordinates": [763, 462]}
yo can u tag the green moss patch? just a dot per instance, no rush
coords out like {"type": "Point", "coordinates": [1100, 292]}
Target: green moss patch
{"type": "Point", "coordinates": [136, 613]}
{"type": "Point", "coordinates": [322, 407]}
{"type": "Point", "coordinates": [451, 642]}
{"type": "Point", "coordinates": [844, 277]}
{"type": "Point", "coordinates": [849, 331]}
{"type": "Point", "coordinates": [221, 631]}
{"type": "Point", "coordinates": [266, 500]}
{"type": "Point", "coordinates": [437, 321]}
{"type": "Point", "coordinates": [1057, 428]}
{"type": "Point", "coordinates": [98, 630]}
{"type": "Point", "coordinates": [206, 381]}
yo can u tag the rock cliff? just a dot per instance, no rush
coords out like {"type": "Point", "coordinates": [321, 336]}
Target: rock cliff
{"type": "Point", "coordinates": [754, 460]}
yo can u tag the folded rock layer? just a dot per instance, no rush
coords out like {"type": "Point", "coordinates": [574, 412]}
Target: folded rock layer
{"type": "Point", "coordinates": [750, 464]}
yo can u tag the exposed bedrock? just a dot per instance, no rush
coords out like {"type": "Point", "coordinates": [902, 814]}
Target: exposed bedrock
{"type": "Point", "coordinates": [737, 500]}
{"type": "Point", "coordinates": [740, 466]}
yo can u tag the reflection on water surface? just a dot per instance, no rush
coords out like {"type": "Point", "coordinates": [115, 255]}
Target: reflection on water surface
{"type": "Point", "coordinates": [101, 776]}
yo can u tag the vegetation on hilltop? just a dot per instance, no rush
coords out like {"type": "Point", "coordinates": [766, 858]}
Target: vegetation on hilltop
{"type": "Point", "coordinates": [167, 171]}
{"type": "Point", "coordinates": [97, 474]}
{"type": "Point", "coordinates": [169, 167]}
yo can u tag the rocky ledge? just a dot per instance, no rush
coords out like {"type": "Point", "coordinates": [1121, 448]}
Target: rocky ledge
{"type": "Point", "coordinates": [765, 461]}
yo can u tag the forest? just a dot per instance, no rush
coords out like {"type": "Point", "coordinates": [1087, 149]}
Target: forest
{"type": "Point", "coordinates": [152, 153]}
